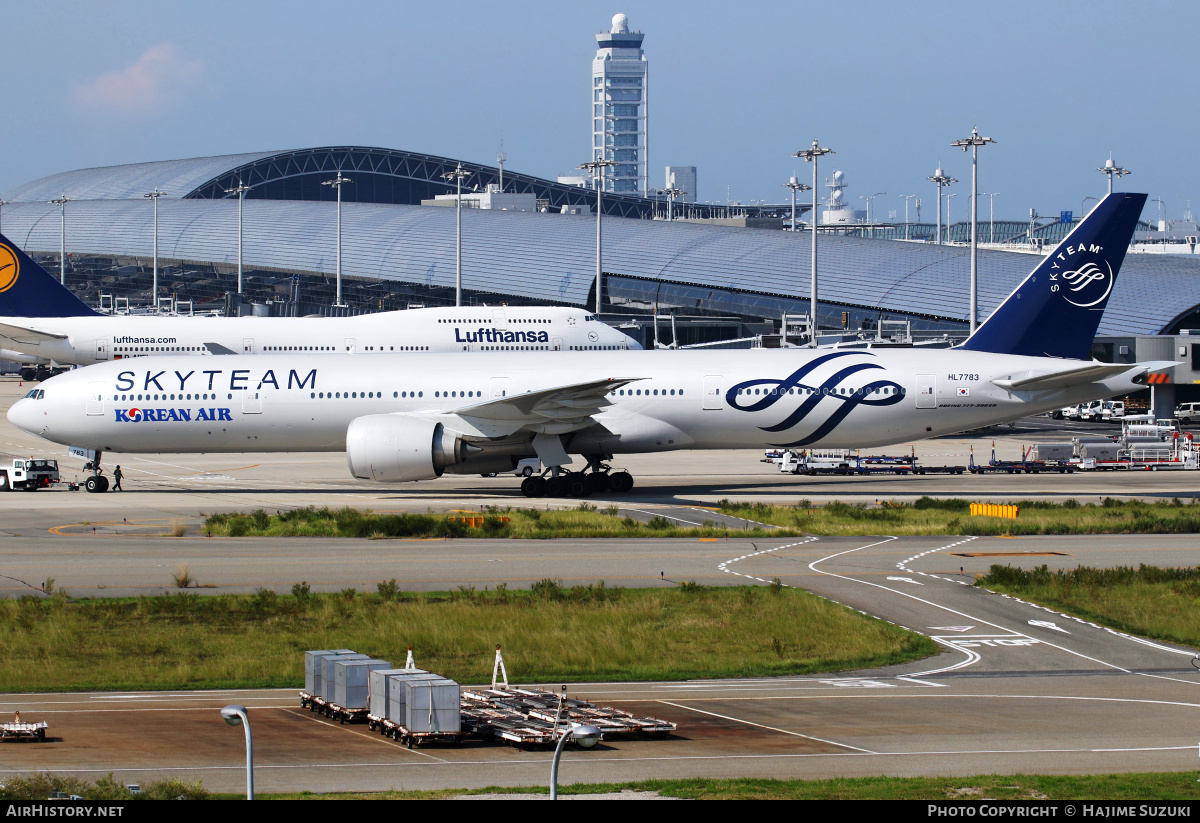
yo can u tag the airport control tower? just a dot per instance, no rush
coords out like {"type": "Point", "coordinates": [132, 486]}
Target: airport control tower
{"type": "Point", "coordinates": [619, 90]}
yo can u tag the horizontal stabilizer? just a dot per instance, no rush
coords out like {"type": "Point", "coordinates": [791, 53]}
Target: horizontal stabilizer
{"type": "Point", "coordinates": [1092, 373]}
{"type": "Point", "coordinates": [28, 336]}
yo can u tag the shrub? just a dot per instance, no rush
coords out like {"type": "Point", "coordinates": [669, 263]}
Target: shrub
{"type": "Point", "coordinates": [387, 589]}
{"type": "Point", "coordinates": [951, 504]}
{"type": "Point", "coordinates": [658, 523]}
{"type": "Point", "coordinates": [301, 591]}
{"type": "Point", "coordinates": [547, 589]}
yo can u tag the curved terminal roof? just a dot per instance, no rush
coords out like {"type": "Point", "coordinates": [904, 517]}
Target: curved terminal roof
{"type": "Point", "coordinates": [552, 257]}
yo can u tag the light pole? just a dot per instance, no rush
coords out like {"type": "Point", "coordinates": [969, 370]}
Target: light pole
{"type": "Point", "coordinates": [457, 176]}
{"type": "Point", "coordinates": [991, 196]}
{"type": "Point", "coordinates": [948, 221]}
{"type": "Point", "coordinates": [500, 158]}
{"type": "Point", "coordinates": [671, 194]}
{"type": "Point", "coordinates": [584, 736]}
{"type": "Point", "coordinates": [337, 183]}
{"type": "Point", "coordinates": [813, 155]}
{"type": "Point", "coordinates": [941, 180]}
{"type": "Point", "coordinates": [62, 202]}
{"type": "Point", "coordinates": [870, 198]}
{"type": "Point", "coordinates": [973, 143]}
{"type": "Point", "coordinates": [907, 197]}
{"type": "Point", "coordinates": [236, 716]}
{"type": "Point", "coordinates": [240, 190]}
{"type": "Point", "coordinates": [1112, 170]}
{"type": "Point", "coordinates": [795, 185]}
{"type": "Point", "coordinates": [596, 168]}
{"type": "Point", "coordinates": [154, 195]}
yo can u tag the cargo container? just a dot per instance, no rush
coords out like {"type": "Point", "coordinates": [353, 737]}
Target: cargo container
{"type": "Point", "coordinates": [432, 706]}
{"type": "Point", "coordinates": [379, 684]}
{"type": "Point", "coordinates": [350, 682]}
{"type": "Point", "coordinates": [313, 671]}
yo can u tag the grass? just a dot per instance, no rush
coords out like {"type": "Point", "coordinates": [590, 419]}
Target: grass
{"type": "Point", "coordinates": [952, 516]}
{"type": "Point", "coordinates": [549, 635]}
{"type": "Point", "coordinates": [1125, 787]}
{"type": "Point", "coordinates": [1146, 601]}
{"type": "Point", "coordinates": [926, 516]}
{"type": "Point", "coordinates": [37, 787]}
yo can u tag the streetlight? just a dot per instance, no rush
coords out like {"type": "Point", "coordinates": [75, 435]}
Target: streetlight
{"type": "Point", "coordinates": [337, 183]}
{"type": "Point", "coordinates": [942, 180]}
{"type": "Point", "coordinates": [813, 155]}
{"type": "Point", "coordinates": [870, 198]}
{"type": "Point", "coordinates": [906, 197]}
{"type": "Point", "coordinates": [1112, 170]}
{"type": "Point", "coordinates": [457, 176]}
{"type": "Point", "coordinates": [584, 736]}
{"type": "Point", "coordinates": [795, 185]}
{"type": "Point", "coordinates": [991, 196]}
{"type": "Point", "coordinates": [596, 169]}
{"type": "Point", "coordinates": [236, 716]}
{"type": "Point", "coordinates": [671, 194]}
{"type": "Point", "coordinates": [973, 143]}
{"type": "Point", "coordinates": [240, 190]}
{"type": "Point", "coordinates": [154, 195]}
{"type": "Point", "coordinates": [948, 222]}
{"type": "Point", "coordinates": [62, 202]}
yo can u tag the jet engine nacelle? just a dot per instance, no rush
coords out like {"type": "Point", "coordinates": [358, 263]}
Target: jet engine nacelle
{"type": "Point", "coordinates": [391, 447]}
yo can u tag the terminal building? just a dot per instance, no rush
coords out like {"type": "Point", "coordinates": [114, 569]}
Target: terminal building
{"type": "Point", "coordinates": [702, 283]}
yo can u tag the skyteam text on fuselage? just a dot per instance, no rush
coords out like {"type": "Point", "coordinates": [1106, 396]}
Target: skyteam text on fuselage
{"type": "Point", "coordinates": [405, 419]}
{"type": "Point", "coordinates": [39, 318]}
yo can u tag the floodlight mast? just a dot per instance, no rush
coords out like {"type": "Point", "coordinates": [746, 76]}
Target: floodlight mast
{"type": "Point", "coordinates": [870, 198]}
{"type": "Point", "coordinates": [795, 185]}
{"type": "Point", "coordinates": [906, 197]}
{"type": "Point", "coordinates": [973, 143]}
{"type": "Point", "coordinates": [671, 194]}
{"type": "Point", "coordinates": [62, 202]}
{"type": "Point", "coordinates": [941, 179]}
{"type": "Point", "coordinates": [812, 156]}
{"type": "Point", "coordinates": [457, 176]}
{"type": "Point", "coordinates": [337, 183]}
{"type": "Point", "coordinates": [596, 168]}
{"type": "Point", "coordinates": [1112, 170]}
{"type": "Point", "coordinates": [154, 195]}
{"type": "Point", "coordinates": [240, 190]}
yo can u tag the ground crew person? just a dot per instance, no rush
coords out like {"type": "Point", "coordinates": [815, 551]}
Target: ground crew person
{"type": "Point", "coordinates": [117, 480]}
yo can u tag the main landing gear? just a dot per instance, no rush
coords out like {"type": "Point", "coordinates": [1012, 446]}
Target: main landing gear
{"type": "Point", "coordinates": [597, 478]}
{"type": "Point", "coordinates": [97, 483]}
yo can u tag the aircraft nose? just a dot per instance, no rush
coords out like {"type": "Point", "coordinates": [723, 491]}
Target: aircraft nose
{"type": "Point", "coordinates": [22, 414]}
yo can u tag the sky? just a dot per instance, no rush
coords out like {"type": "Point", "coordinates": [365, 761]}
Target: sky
{"type": "Point", "coordinates": [735, 89]}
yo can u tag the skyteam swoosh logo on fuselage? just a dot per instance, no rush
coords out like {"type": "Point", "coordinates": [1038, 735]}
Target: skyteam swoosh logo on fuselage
{"type": "Point", "coordinates": [816, 398]}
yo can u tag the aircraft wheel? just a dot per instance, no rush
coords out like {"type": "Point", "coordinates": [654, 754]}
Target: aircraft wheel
{"type": "Point", "coordinates": [533, 487]}
{"type": "Point", "coordinates": [103, 483]}
{"type": "Point", "coordinates": [578, 485]}
{"type": "Point", "coordinates": [92, 484]}
{"type": "Point", "coordinates": [620, 482]}
{"type": "Point", "coordinates": [599, 482]}
{"type": "Point", "coordinates": [556, 486]}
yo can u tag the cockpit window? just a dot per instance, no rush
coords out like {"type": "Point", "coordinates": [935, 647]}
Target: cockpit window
{"type": "Point", "coordinates": [35, 394]}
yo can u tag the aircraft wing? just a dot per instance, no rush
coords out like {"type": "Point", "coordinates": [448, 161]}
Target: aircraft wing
{"type": "Point", "coordinates": [28, 336]}
{"type": "Point", "coordinates": [550, 411]}
{"type": "Point", "coordinates": [1091, 373]}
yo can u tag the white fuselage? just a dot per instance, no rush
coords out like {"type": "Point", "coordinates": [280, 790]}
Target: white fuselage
{"type": "Point", "coordinates": [678, 400]}
{"type": "Point", "coordinates": [95, 339]}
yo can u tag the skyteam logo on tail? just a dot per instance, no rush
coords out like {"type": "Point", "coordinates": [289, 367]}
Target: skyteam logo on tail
{"type": "Point", "coordinates": [832, 398]}
{"type": "Point", "coordinates": [10, 267]}
{"type": "Point", "coordinates": [1086, 285]}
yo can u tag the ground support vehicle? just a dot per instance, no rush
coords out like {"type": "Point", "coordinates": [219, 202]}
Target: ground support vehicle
{"type": "Point", "coordinates": [413, 739]}
{"type": "Point", "coordinates": [17, 730]}
{"type": "Point", "coordinates": [841, 462]}
{"type": "Point", "coordinates": [1022, 466]}
{"type": "Point", "coordinates": [31, 474]}
{"type": "Point", "coordinates": [534, 716]}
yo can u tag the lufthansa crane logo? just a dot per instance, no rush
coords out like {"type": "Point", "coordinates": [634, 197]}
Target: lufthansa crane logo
{"type": "Point", "coordinates": [10, 267]}
{"type": "Point", "coordinates": [1087, 285]}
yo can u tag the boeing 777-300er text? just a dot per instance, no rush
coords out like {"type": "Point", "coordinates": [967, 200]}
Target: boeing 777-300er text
{"type": "Point", "coordinates": [40, 318]}
{"type": "Point", "coordinates": [414, 418]}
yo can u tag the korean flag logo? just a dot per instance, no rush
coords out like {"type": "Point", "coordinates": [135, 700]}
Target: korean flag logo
{"type": "Point", "coordinates": [963, 391]}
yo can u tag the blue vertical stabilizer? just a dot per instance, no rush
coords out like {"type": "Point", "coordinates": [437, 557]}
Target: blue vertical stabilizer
{"type": "Point", "coordinates": [28, 290]}
{"type": "Point", "coordinates": [1055, 312]}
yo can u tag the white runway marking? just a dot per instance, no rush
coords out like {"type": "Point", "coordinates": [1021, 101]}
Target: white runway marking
{"type": "Point", "coordinates": [725, 566]}
{"type": "Point", "coordinates": [1046, 624]}
{"type": "Point", "coordinates": [768, 728]}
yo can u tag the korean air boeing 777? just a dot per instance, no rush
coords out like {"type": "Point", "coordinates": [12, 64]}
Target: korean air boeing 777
{"type": "Point", "coordinates": [40, 318]}
{"type": "Point", "coordinates": [402, 418]}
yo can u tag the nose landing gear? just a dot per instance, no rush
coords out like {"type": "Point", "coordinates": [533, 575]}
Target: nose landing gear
{"type": "Point", "coordinates": [97, 483]}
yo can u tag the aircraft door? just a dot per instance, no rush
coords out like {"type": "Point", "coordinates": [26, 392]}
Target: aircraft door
{"type": "Point", "coordinates": [101, 350]}
{"type": "Point", "coordinates": [499, 319]}
{"type": "Point", "coordinates": [251, 402]}
{"type": "Point", "coordinates": [557, 343]}
{"type": "Point", "coordinates": [350, 345]}
{"type": "Point", "coordinates": [712, 392]}
{"type": "Point", "coordinates": [926, 391]}
{"type": "Point", "coordinates": [498, 387]}
{"type": "Point", "coordinates": [248, 345]}
{"type": "Point", "coordinates": [95, 397]}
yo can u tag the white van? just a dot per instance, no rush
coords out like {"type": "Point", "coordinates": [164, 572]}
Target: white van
{"type": "Point", "coordinates": [1185, 413]}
